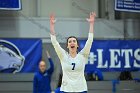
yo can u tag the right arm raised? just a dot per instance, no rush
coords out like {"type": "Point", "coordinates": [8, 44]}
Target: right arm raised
{"type": "Point", "coordinates": [60, 51]}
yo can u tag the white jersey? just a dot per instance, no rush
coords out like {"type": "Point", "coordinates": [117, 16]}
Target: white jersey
{"type": "Point", "coordinates": [73, 68]}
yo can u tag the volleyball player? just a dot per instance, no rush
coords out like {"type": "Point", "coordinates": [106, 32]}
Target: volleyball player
{"type": "Point", "coordinates": [73, 62]}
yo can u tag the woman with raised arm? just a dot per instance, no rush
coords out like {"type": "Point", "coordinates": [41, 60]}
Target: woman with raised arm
{"type": "Point", "coordinates": [73, 62]}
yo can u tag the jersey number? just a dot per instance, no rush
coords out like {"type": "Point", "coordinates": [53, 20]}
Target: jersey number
{"type": "Point", "coordinates": [73, 64]}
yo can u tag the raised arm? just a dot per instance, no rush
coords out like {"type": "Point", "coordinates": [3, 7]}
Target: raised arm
{"type": "Point", "coordinates": [91, 20]}
{"type": "Point", "coordinates": [86, 50]}
{"type": "Point", "coordinates": [51, 68]}
{"type": "Point", "coordinates": [60, 51]}
{"type": "Point", "coordinates": [52, 23]}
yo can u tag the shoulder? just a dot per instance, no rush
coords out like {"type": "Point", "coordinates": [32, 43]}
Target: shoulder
{"type": "Point", "coordinates": [36, 74]}
{"type": "Point", "coordinates": [82, 54]}
{"type": "Point", "coordinates": [48, 73]}
{"type": "Point", "coordinates": [65, 53]}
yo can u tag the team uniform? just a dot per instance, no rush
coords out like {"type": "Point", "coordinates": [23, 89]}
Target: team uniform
{"type": "Point", "coordinates": [41, 83]}
{"type": "Point", "coordinates": [73, 68]}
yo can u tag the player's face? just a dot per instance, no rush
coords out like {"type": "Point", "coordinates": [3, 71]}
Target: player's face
{"type": "Point", "coordinates": [42, 66]}
{"type": "Point", "coordinates": [72, 44]}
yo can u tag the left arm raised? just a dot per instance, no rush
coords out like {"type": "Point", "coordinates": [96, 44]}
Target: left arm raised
{"type": "Point", "coordinates": [86, 50]}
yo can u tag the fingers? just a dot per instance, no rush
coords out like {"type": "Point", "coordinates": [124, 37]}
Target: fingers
{"type": "Point", "coordinates": [91, 17]}
{"type": "Point", "coordinates": [52, 16]}
{"type": "Point", "coordinates": [92, 14]}
{"type": "Point", "coordinates": [54, 20]}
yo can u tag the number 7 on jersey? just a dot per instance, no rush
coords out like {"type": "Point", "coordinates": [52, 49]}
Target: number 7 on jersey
{"type": "Point", "coordinates": [73, 64]}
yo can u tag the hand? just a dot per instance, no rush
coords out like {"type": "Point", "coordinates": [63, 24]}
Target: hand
{"type": "Point", "coordinates": [52, 22]}
{"type": "Point", "coordinates": [91, 18]}
{"type": "Point", "coordinates": [48, 55]}
{"type": "Point", "coordinates": [52, 19]}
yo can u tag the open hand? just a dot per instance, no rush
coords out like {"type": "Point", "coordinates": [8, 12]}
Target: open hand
{"type": "Point", "coordinates": [52, 19]}
{"type": "Point", "coordinates": [91, 18]}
